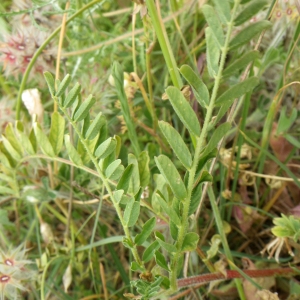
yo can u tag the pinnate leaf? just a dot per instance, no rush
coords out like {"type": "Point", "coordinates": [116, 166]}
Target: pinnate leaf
{"type": "Point", "coordinates": [112, 168]}
{"type": "Point", "coordinates": [10, 149]}
{"type": "Point", "coordinates": [183, 110]}
{"type": "Point", "coordinates": [63, 85]}
{"type": "Point", "coordinates": [24, 139]}
{"type": "Point", "coordinates": [199, 88]}
{"type": "Point", "coordinates": [223, 9]}
{"type": "Point", "coordinates": [72, 95]}
{"type": "Point", "coordinates": [105, 148]}
{"type": "Point", "coordinates": [131, 213]}
{"type": "Point", "coordinates": [214, 23]}
{"type": "Point", "coordinates": [171, 175]}
{"type": "Point", "coordinates": [169, 211]}
{"type": "Point", "coordinates": [56, 136]}
{"type": "Point", "coordinates": [7, 191]}
{"type": "Point", "coordinates": [134, 184]}
{"type": "Point", "coordinates": [95, 127]}
{"type": "Point", "coordinates": [150, 251]}
{"type": "Point", "coordinates": [84, 108]}
{"type": "Point", "coordinates": [161, 261]}
{"type": "Point", "coordinates": [215, 138]}
{"type": "Point", "coordinates": [212, 53]}
{"type": "Point", "coordinates": [50, 82]}
{"type": "Point", "coordinates": [286, 121]}
{"type": "Point", "coordinates": [10, 135]}
{"type": "Point", "coordinates": [190, 242]}
{"type": "Point", "coordinates": [248, 33]}
{"type": "Point", "coordinates": [214, 247]}
{"type": "Point", "coordinates": [72, 152]}
{"type": "Point", "coordinates": [249, 11]}
{"type": "Point", "coordinates": [146, 231]}
{"type": "Point", "coordinates": [118, 195]}
{"type": "Point", "coordinates": [167, 246]}
{"type": "Point", "coordinates": [241, 63]}
{"type": "Point", "coordinates": [43, 141]}
{"type": "Point", "coordinates": [123, 183]}
{"type": "Point", "coordinates": [238, 90]}
{"type": "Point", "coordinates": [144, 171]}
{"type": "Point", "coordinates": [177, 143]}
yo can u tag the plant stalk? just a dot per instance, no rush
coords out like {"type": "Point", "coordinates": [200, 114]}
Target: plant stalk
{"type": "Point", "coordinates": [199, 148]}
{"type": "Point", "coordinates": [107, 186]}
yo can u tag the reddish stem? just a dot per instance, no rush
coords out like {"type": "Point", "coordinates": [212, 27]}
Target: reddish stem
{"type": "Point", "coordinates": [231, 274]}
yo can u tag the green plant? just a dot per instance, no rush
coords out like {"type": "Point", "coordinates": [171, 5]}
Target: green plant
{"type": "Point", "coordinates": [175, 162]}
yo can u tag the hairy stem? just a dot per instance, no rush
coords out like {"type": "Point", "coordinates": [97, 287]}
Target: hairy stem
{"type": "Point", "coordinates": [199, 147]}
{"type": "Point", "coordinates": [233, 274]}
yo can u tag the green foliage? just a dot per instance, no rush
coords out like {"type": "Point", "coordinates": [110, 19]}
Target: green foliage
{"type": "Point", "coordinates": [241, 63]}
{"type": "Point", "coordinates": [249, 11]}
{"type": "Point", "coordinates": [94, 128]}
{"type": "Point", "coordinates": [124, 181]}
{"type": "Point", "coordinates": [105, 148]}
{"type": "Point", "coordinates": [177, 144]}
{"type": "Point", "coordinates": [169, 211]}
{"type": "Point", "coordinates": [183, 110]}
{"type": "Point", "coordinates": [223, 9]}
{"type": "Point", "coordinates": [56, 136]}
{"type": "Point", "coordinates": [214, 247]}
{"type": "Point", "coordinates": [71, 97]}
{"type": "Point", "coordinates": [73, 154]}
{"type": "Point", "coordinates": [146, 231]}
{"type": "Point", "coordinates": [167, 246]}
{"type": "Point", "coordinates": [249, 33]}
{"type": "Point", "coordinates": [131, 212]}
{"type": "Point", "coordinates": [150, 251]}
{"type": "Point", "coordinates": [43, 140]}
{"type": "Point", "coordinates": [287, 227]}
{"type": "Point", "coordinates": [161, 261]}
{"type": "Point", "coordinates": [148, 289]}
{"type": "Point", "coordinates": [237, 90]}
{"type": "Point", "coordinates": [171, 175]}
{"type": "Point", "coordinates": [24, 139]}
{"type": "Point", "coordinates": [50, 82]}
{"type": "Point", "coordinates": [144, 171]}
{"type": "Point", "coordinates": [212, 53]}
{"type": "Point", "coordinates": [215, 138]}
{"type": "Point", "coordinates": [190, 242]}
{"type": "Point", "coordinates": [113, 168]}
{"type": "Point", "coordinates": [199, 88]}
{"type": "Point", "coordinates": [122, 172]}
{"type": "Point", "coordinates": [62, 86]}
{"type": "Point", "coordinates": [285, 122]}
{"type": "Point", "coordinates": [214, 24]}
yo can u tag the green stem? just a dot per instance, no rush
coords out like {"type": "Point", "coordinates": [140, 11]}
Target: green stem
{"type": "Point", "coordinates": [199, 147]}
{"type": "Point", "coordinates": [106, 184]}
{"type": "Point", "coordinates": [164, 44]}
{"type": "Point", "coordinates": [39, 51]}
